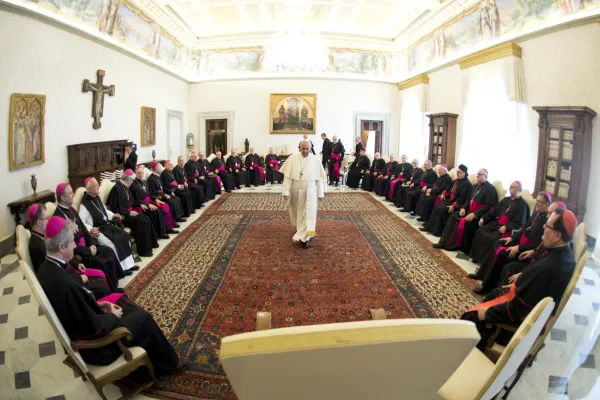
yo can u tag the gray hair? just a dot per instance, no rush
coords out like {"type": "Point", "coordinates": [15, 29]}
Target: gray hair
{"type": "Point", "coordinates": [63, 238]}
{"type": "Point", "coordinates": [89, 184]}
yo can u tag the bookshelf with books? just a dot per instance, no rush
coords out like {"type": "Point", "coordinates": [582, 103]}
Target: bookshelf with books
{"type": "Point", "coordinates": [442, 138]}
{"type": "Point", "coordinates": [564, 154]}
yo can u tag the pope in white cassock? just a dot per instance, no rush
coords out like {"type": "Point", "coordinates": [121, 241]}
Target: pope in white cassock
{"type": "Point", "coordinates": [303, 184]}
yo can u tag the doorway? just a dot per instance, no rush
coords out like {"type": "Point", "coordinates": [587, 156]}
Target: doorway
{"type": "Point", "coordinates": [216, 136]}
{"type": "Point", "coordinates": [371, 135]}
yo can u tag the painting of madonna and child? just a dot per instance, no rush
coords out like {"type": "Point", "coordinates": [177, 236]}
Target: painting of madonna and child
{"type": "Point", "coordinates": [293, 113]}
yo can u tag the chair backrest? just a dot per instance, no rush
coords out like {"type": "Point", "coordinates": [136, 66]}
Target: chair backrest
{"type": "Point", "coordinates": [23, 235]}
{"type": "Point", "coordinates": [43, 301]}
{"type": "Point", "coordinates": [105, 188]}
{"type": "Point", "coordinates": [78, 197]}
{"type": "Point", "coordinates": [225, 157]}
{"type": "Point", "coordinates": [499, 189]}
{"type": "Point", "coordinates": [386, 159]}
{"type": "Point", "coordinates": [147, 173]}
{"type": "Point", "coordinates": [517, 349]}
{"type": "Point", "coordinates": [472, 179]}
{"type": "Point", "coordinates": [352, 360]}
{"type": "Point", "coordinates": [529, 199]}
{"type": "Point", "coordinates": [344, 163]}
{"type": "Point", "coordinates": [579, 241]}
{"type": "Point", "coordinates": [563, 302]}
{"type": "Point", "coordinates": [452, 174]}
{"type": "Point", "coordinates": [50, 208]}
{"type": "Point", "coordinates": [211, 157]}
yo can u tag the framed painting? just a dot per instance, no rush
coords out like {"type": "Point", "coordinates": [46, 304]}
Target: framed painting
{"type": "Point", "coordinates": [293, 113]}
{"type": "Point", "coordinates": [148, 127]}
{"type": "Point", "coordinates": [26, 130]}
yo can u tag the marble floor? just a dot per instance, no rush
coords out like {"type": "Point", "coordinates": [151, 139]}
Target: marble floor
{"type": "Point", "coordinates": [31, 357]}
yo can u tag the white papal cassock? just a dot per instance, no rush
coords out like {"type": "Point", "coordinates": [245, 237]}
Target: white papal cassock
{"type": "Point", "coordinates": [304, 179]}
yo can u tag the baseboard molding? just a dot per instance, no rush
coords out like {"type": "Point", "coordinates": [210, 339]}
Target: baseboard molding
{"type": "Point", "coordinates": [7, 246]}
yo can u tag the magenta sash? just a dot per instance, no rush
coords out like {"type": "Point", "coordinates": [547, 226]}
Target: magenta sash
{"type": "Point", "coordinates": [261, 171]}
{"type": "Point", "coordinates": [169, 217]}
{"type": "Point", "coordinates": [336, 165]}
{"type": "Point", "coordinates": [422, 184]}
{"type": "Point", "coordinates": [524, 240]}
{"type": "Point", "coordinates": [219, 182]}
{"type": "Point", "coordinates": [197, 174]}
{"type": "Point", "coordinates": [159, 191]}
{"type": "Point", "coordinates": [112, 298]}
{"type": "Point", "coordinates": [92, 272]}
{"type": "Point", "coordinates": [503, 221]}
{"type": "Point", "coordinates": [138, 210]}
{"type": "Point", "coordinates": [221, 168]}
{"type": "Point", "coordinates": [274, 163]}
{"type": "Point", "coordinates": [82, 241]}
{"type": "Point", "coordinates": [377, 170]}
{"type": "Point", "coordinates": [474, 206]}
{"type": "Point", "coordinates": [173, 183]}
{"type": "Point", "coordinates": [437, 201]}
{"type": "Point", "coordinates": [237, 166]}
{"type": "Point", "coordinates": [393, 185]}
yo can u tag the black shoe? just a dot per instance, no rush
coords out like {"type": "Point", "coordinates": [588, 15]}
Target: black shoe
{"type": "Point", "coordinates": [479, 290]}
{"type": "Point", "coordinates": [420, 219]}
{"type": "Point", "coordinates": [412, 213]}
{"type": "Point", "coordinates": [173, 231]}
{"type": "Point", "coordinates": [423, 229]}
{"type": "Point", "coordinates": [177, 225]}
{"type": "Point", "coordinates": [193, 212]}
{"type": "Point", "coordinates": [119, 290]}
{"type": "Point", "coordinates": [304, 244]}
{"type": "Point", "coordinates": [475, 277]}
{"type": "Point", "coordinates": [438, 246]}
{"type": "Point", "coordinates": [181, 219]}
{"type": "Point", "coordinates": [336, 183]}
{"type": "Point", "coordinates": [182, 365]}
{"type": "Point", "coordinates": [165, 237]}
{"type": "Point", "coordinates": [134, 268]}
{"type": "Point", "coordinates": [128, 273]}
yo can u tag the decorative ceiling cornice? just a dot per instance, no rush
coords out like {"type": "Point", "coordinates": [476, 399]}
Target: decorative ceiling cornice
{"type": "Point", "coordinates": [158, 13]}
{"type": "Point", "coordinates": [417, 80]}
{"type": "Point", "coordinates": [493, 53]}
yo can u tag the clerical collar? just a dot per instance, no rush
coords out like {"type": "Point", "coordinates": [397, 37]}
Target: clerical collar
{"type": "Point", "coordinates": [37, 234]}
{"type": "Point", "coordinates": [65, 207]}
{"type": "Point", "coordinates": [55, 260]}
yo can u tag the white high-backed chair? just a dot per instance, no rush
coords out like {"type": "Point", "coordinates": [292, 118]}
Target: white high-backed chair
{"type": "Point", "coordinates": [499, 189]}
{"type": "Point", "coordinates": [478, 378]}
{"type": "Point", "coordinates": [472, 178]}
{"type": "Point", "coordinates": [529, 199]}
{"type": "Point", "coordinates": [50, 208]}
{"type": "Point", "coordinates": [105, 188]}
{"type": "Point", "coordinates": [388, 359]}
{"type": "Point", "coordinates": [23, 235]}
{"type": "Point", "coordinates": [78, 197]}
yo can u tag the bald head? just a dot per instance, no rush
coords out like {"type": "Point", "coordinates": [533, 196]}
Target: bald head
{"type": "Point", "coordinates": [334, 138]}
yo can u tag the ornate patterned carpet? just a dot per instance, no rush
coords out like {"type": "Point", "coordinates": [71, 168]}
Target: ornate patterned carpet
{"type": "Point", "coordinates": [238, 258]}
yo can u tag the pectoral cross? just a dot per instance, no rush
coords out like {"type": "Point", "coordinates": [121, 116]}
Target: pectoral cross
{"type": "Point", "coordinates": [98, 101]}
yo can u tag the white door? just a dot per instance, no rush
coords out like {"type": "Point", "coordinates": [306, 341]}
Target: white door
{"type": "Point", "coordinates": [175, 135]}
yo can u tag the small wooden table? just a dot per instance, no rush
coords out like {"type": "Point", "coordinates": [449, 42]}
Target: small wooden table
{"type": "Point", "coordinates": [20, 206]}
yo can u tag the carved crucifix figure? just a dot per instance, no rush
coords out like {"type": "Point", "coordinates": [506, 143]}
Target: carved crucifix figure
{"type": "Point", "coordinates": [99, 91]}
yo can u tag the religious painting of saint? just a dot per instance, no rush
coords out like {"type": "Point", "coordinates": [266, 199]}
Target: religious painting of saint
{"type": "Point", "coordinates": [148, 127]}
{"type": "Point", "coordinates": [293, 113]}
{"type": "Point", "coordinates": [26, 130]}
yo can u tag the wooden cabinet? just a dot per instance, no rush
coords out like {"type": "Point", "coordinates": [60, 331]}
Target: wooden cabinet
{"type": "Point", "coordinates": [564, 155]}
{"type": "Point", "coordinates": [91, 159]}
{"type": "Point", "coordinates": [442, 138]}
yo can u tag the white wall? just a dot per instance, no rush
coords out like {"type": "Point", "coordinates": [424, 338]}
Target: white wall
{"type": "Point", "coordinates": [561, 69]}
{"type": "Point", "coordinates": [41, 59]}
{"type": "Point", "coordinates": [249, 100]}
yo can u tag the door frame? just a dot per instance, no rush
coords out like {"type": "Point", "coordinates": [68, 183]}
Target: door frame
{"type": "Point", "coordinates": [358, 116]}
{"type": "Point", "coordinates": [203, 116]}
{"type": "Point", "coordinates": [181, 151]}
{"type": "Point", "coordinates": [206, 133]}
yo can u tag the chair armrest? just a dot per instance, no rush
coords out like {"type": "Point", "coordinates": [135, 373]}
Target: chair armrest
{"type": "Point", "coordinates": [113, 336]}
{"type": "Point", "coordinates": [509, 327]}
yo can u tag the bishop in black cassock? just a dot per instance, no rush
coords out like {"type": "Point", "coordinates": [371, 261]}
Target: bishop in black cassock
{"type": "Point", "coordinates": [325, 150]}
{"type": "Point", "coordinates": [120, 201]}
{"type": "Point", "coordinates": [388, 174]}
{"type": "Point", "coordinates": [357, 169]}
{"type": "Point", "coordinates": [412, 183]}
{"type": "Point", "coordinates": [358, 147]}
{"type": "Point", "coordinates": [432, 196]}
{"type": "Point", "coordinates": [194, 172]}
{"type": "Point", "coordinates": [254, 168]}
{"type": "Point", "coordinates": [335, 160]}
{"type": "Point", "coordinates": [548, 276]}
{"type": "Point", "coordinates": [462, 225]}
{"type": "Point", "coordinates": [160, 195]}
{"type": "Point", "coordinates": [372, 173]}
{"type": "Point", "coordinates": [405, 170]}
{"type": "Point", "coordinates": [453, 201]}
{"type": "Point", "coordinates": [211, 177]}
{"type": "Point", "coordinates": [273, 163]}
{"type": "Point", "coordinates": [86, 318]}
{"type": "Point", "coordinates": [99, 222]}
{"type": "Point", "coordinates": [219, 168]}
{"type": "Point", "coordinates": [237, 169]}
{"type": "Point", "coordinates": [508, 215]}
{"type": "Point", "coordinates": [143, 204]}
{"type": "Point", "coordinates": [197, 191]}
{"type": "Point", "coordinates": [413, 195]}
{"type": "Point", "coordinates": [171, 187]}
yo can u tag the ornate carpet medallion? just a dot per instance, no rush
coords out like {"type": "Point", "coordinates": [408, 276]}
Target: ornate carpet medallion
{"type": "Point", "coordinates": [238, 258]}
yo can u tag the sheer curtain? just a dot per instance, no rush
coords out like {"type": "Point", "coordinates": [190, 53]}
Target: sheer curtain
{"type": "Point", "coordinates": [495, 131]}
{"type": "Point", "coordinates": [414, 125]}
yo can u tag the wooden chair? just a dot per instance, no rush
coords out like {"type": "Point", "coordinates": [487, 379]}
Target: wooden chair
{"type": "Point", "coordinates": [131, 359]}
{"type": "Point", "coordinates": [478, 378]}
{"type": "Point", "coordinates": [495, 350]}
{"type": "Point", "coordinates": [350, 361]}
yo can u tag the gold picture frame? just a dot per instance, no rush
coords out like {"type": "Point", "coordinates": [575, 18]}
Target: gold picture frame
{"type": "Point", "coordinates": [294, 113]}
{"type": "Point", "coordinates": [148, 127]}
{"type": "Point", "coordinates": [26, 130]}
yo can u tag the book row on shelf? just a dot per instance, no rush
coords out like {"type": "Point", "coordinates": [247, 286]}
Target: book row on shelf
{"type": "Point", "coordinates": [438, 129]}
{"type": "Point", "coordinates": [563, 188]}
{"type": "Point", "coordinates": [567, 134]}
{"type": "Point", "coordinates": [567, 149]}
{"type": "Point", "coordinates": [551, 171]}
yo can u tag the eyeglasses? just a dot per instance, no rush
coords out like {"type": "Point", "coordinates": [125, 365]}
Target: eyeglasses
{"type": "Point", "coordinates": [546, 226]}
{"type": "Point", "coordinates": [514, 187]}
{"type": "Point", "coordinates": [478, 174]}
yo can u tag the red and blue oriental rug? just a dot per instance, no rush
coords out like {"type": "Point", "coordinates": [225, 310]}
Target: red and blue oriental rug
{"type": "Point", "coordinates": [238, 259]}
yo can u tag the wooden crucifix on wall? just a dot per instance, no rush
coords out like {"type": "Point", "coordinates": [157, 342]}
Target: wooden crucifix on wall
{"type": "Point", "coordinates": [99, 90]}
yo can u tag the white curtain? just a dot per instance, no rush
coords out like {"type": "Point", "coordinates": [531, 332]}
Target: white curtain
{"type": "Point", "coordinates": [414, 125]}
{"type": "Point", "coordinates": [495, 131]}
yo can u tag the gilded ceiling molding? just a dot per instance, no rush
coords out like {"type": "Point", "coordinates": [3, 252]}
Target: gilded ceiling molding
{"type": "Point", "coordinates": [493, 53]}
{"type": "Point", "coordinates": [417, 80]}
